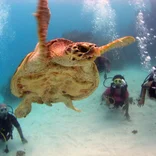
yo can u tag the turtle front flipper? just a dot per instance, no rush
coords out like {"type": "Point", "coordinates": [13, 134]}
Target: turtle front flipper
{"type": "Point", "coordinates": [43, 17]}
{"type": "Point", "coordinates": [121, 42]}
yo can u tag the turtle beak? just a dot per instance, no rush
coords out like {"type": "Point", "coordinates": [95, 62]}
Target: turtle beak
{"type": "Point", "coordinates": [94, 52]}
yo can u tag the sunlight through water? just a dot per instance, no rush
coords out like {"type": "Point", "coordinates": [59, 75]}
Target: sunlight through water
{"type": "Point", "coordinates": [104, 20]}
{"type": "Point", "coordinates": [144, 35]}
{"type": "Point", "coordinates": [104, 17]}
{"type": "Point", "coordinates": [4, 13]}
{"type": "Point", "coordinates": [3, 16]}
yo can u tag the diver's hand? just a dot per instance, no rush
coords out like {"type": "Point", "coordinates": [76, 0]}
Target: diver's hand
{"type": "Point", "coordinates": [24, 141]}
{"type": "Point", "coordinates": [140, 103]}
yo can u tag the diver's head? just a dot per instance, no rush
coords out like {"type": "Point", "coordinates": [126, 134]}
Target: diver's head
{"type": "Point", "coordinates": [3, 110]}
{"type": "Point", "coordinates": [118, 81]}
{"type": "Point", "coordinates": [153, 72]}
{"type": "Point", "coordinates": [154, 69]}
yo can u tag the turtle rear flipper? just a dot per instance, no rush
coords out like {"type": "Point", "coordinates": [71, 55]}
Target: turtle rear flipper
{"type": "Point", "coordinates": [68, 102]}
{"type": "Point", "coordinates": [43, 17]}
{"type": "Point", "coordinates": [121, 42]}
{"type": "Point", "coordinates": [25, 106]}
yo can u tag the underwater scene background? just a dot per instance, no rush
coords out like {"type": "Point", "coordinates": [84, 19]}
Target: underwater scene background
{"type": "Point", "coordinates": [96, 131]}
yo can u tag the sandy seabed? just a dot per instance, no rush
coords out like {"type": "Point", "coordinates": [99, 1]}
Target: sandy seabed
{"type": "Point", "coordinates": [96, 131]}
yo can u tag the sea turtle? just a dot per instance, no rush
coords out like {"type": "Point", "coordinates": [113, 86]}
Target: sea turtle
{"type": "Point", "coordinates": [58, 70]}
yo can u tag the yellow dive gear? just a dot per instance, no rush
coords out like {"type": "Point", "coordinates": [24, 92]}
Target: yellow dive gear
{"type": "Point", "coordinates": [118, 81]}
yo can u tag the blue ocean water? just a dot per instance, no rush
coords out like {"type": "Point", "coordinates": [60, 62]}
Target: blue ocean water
{"type": "Point", "coordinates": [20, 36]}
{"type": "Point", "coordinates": [102, 21]}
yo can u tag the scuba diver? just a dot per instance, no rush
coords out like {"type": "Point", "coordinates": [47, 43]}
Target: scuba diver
{"type": "Point", "coordinates": [150, 85]}
{"type": "Point", "coordinates": [103, 64]}
{"type": "Point", "coordinates": [117, 95]}
{"type": "Point", "coordinates": [7, 121]}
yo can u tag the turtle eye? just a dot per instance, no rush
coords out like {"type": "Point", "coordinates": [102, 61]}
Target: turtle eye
{"type": "Point", "coordinates": [83, 49]}
{"type": "Point", "coordinates": [73, 59]}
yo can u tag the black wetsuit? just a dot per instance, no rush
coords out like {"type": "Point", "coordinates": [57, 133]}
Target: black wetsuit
{"type": "Point", "coordinates": [6, 126]}
{"type": "Point", "coordinates": [152, 89]}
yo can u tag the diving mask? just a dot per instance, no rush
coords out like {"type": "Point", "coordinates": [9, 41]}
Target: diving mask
{"type": "Point", "coordinates": [3, 110]}
{"type": "Point", "coordinates": [119, 81]}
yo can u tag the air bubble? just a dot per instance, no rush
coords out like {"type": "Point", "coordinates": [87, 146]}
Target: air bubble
{"type": "Point", "coordinates": [148, 58]}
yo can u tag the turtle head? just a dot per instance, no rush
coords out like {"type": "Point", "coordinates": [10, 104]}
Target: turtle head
{"type": "Point", "coordinates": [78, 54]}
{"type": "Point", "coordinates": [67, 53]}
